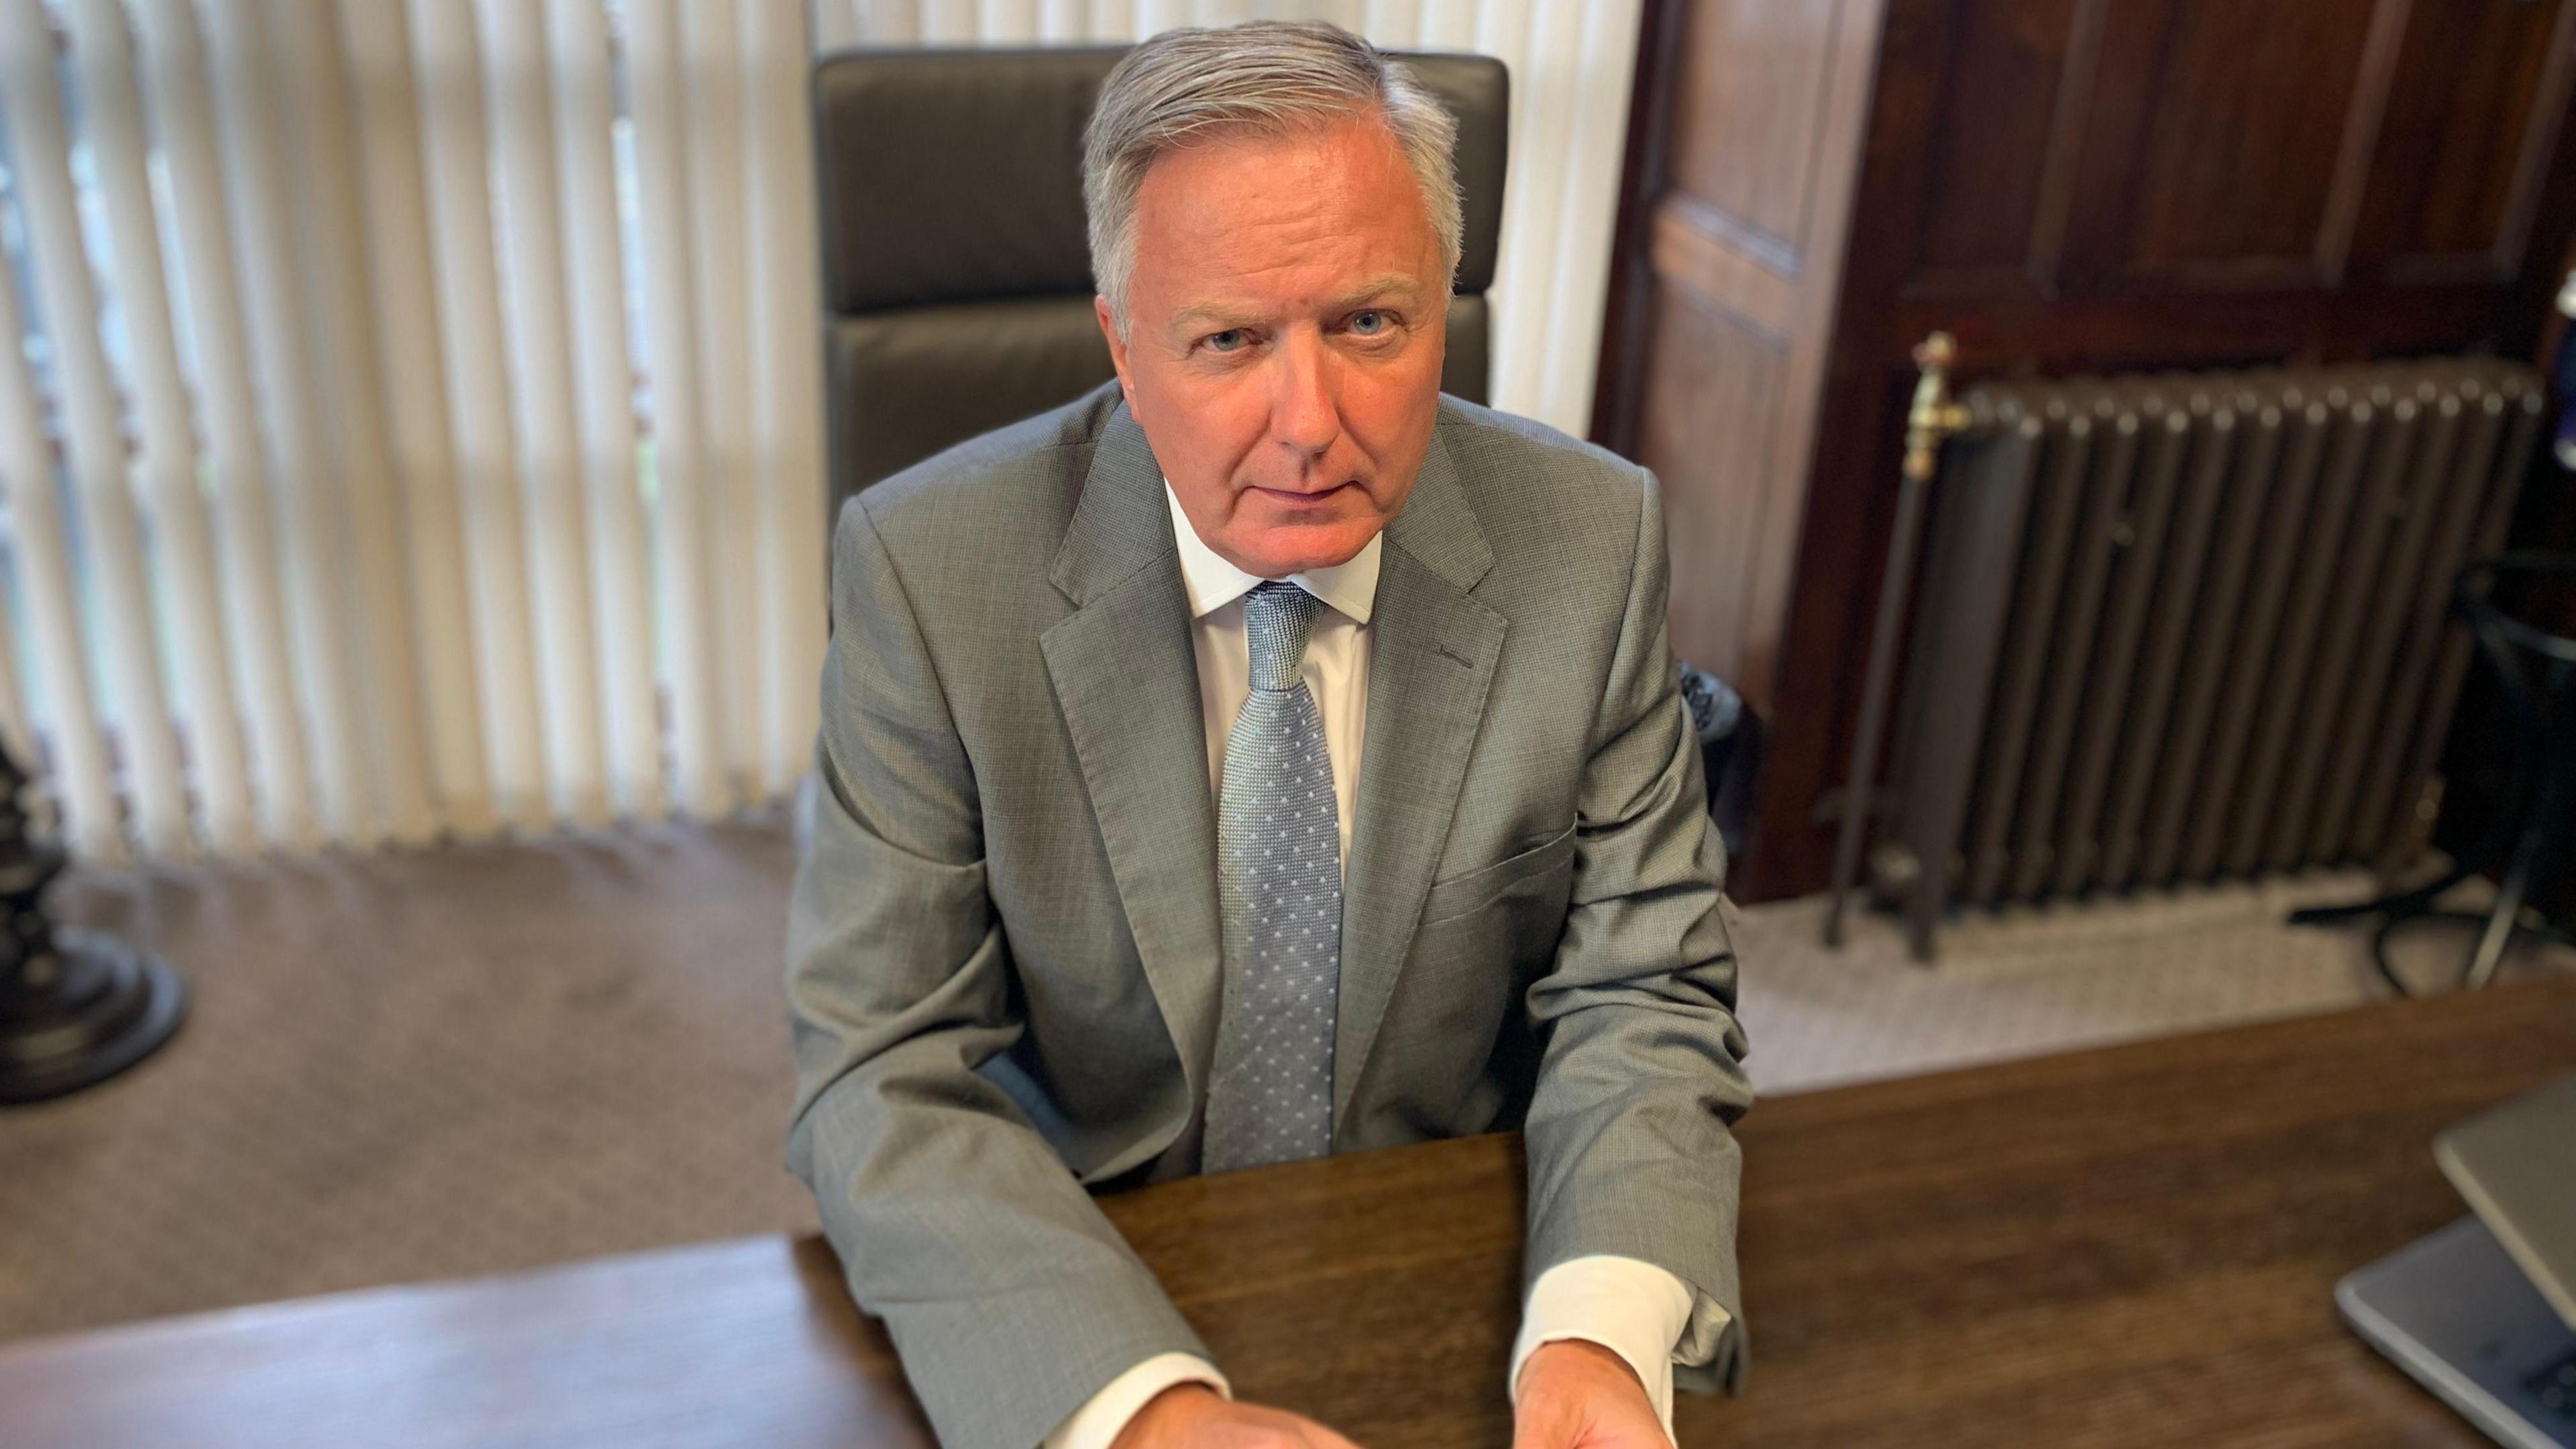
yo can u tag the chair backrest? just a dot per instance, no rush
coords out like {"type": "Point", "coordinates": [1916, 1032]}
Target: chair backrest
{"type": "Point", "coordinates": [956, 273]}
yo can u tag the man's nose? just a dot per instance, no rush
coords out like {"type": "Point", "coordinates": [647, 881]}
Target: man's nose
{"type": "Point", "coordinates": [1306, 415]}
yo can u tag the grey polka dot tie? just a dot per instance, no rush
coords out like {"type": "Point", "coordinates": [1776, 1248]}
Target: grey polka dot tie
{"type": "Point", "coordinates": [1279, 882]}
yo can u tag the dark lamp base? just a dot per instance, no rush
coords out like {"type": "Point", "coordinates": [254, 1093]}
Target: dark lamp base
{"type": "Point", "coordinates": [91, 1009]}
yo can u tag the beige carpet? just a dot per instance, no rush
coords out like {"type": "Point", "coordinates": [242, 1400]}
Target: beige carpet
{"type": "Point", "coordinates": [2030, 980]}
{"type": "Point", "coordinates": [426, 1064]}
{"type": "Point", "coordinates": [418, 1065]}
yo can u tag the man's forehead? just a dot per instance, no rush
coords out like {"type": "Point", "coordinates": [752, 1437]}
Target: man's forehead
{"type": "Point", "coordinates": [1313, 149]}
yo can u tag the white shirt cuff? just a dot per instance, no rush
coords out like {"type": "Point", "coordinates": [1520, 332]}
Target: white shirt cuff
{"type": "Point", "coordinates": [1097, 1423]}
{"type": "Point", "coordinates": [1628, 1306]}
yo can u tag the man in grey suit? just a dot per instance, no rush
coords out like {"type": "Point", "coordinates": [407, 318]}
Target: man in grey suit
{"type": "Point", "coordinates": [1263, 756]}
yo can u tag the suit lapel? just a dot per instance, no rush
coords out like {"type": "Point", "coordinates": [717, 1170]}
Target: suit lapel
{"type": "Point", "coordinates": [1432, 650]}
{"type": "Point", "coordinates": [1127, 681]}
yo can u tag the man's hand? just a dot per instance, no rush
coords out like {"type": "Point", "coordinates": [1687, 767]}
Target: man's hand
{"type": "Point", "coordinates": [1194, 1416]}
{"type": "Point", "coordinates": [1576, 1394]}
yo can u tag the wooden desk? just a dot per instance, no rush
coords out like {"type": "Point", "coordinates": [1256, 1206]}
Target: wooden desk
{"type": "Point", "coordinates": [2124, 1247]}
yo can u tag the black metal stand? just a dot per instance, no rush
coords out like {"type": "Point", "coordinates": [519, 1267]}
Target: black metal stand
{"type": "Point", "coordinates": [2534, 826]}
{"type": "Point", "coordinates": [75, 1008]}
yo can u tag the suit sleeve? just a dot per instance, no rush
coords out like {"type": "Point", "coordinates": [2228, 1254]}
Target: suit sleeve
{"type": "Point", "coordinates": [1009, 1297]}
{"type": "Point", "coordinates": [1630, 1147]}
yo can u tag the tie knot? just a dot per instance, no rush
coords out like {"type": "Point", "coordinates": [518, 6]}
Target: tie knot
{"type": "Point", "coordinates": [1276, 618]}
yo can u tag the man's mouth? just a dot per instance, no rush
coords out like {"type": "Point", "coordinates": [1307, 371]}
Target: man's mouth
{"type": "Point", "coordinates": [1299, 496]}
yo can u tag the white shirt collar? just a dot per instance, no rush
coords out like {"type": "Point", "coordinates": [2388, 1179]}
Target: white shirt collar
{"type": "Point", "coordinates": [1348, 588]}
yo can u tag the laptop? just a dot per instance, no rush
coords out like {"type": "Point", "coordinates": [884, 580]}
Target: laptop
{"type": "Point", "coordinates": [2483, 1313]}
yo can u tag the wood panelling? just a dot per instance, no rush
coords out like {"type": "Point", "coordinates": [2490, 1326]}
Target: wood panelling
{"type": "Point", "coordinates": [1746, 110]}
{"type": "Point", "coordinates": [2090, 146]}
{"type": "Point", "coordinates": [2023, 330]}
{"type": "Point", "coordinates": [2067, 186]}
{"type": "Point", "coordinates": [2458, 164]}
{"type": "Point", "coordinates": [2011, 54]}
{"type": "Point", "coordinates": [2227, 144]}
{"type": "Point", "coordinates": [1695, 249]}
{"type": "Point", "coordinates": [1714, 395]}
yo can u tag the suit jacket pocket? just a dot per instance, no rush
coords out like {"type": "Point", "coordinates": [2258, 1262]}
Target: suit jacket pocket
{"type": "Point", "coordinates": [1465, 894]}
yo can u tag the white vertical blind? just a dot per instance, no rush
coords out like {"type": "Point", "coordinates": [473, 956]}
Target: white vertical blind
{"type": "Point", "coordinates": [1447, 25]}
{"type": "Point", "coordinates": [236, 459]}
{"type": "Point", "coordinates": [448, 80]}
{"type": "Point", "coordinates": [168, 453]}
{"type": "Point", "coordinates": [1106, 20]}
{"type": "Point", "coordinates": [1534, 41]}
{"type": "Point", "coordinates": [81, 781]}
{"type": "Point", "coordinates": [1577, 291]}
{"type": "Point", "coordinates": [92, 434]}
{"type": "Point", "coordinates": [836, 22]}
{"type": "Point", "coordinates": [374, 640]}
{"type": "Point", "coordinates": [620, 569]}
{"type": "Point", "coordinates": [1059, 21]}
{"type": "Point", "coordinates": [1392, 17]}
{"type": "Point", "coordinates": [787, 417]}
{"type": "Point", "coordinates": [537, 326]}
{"type": "Point", "coordinates": [1152, 15]}
{"type": "Point", "coordinates": [719, 198]}
{"type": "Point", "coordinates": [438, 416]}
{"type": "Point", "coordinates": [896, 22]}
{"type": "Point", "coordinates": [658, 108]}
{"type": "Point", "coordinates": [404, 321]}
{"type": "Point", "coordinates": [949, 22]}
{"type": "Point", "coordinates": [413, 423]}
{"type": "Point", "coordinates": [276, 301]}
{"type": "Point", "coordinates": [1008, 22]}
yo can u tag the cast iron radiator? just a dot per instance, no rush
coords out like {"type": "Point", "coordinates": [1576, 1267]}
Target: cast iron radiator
{"type": "Point", "coordinates": [2178, 628]}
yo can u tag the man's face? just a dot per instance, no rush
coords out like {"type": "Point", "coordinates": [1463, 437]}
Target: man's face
{"type": "Point", "coordinates": [1287, 318]}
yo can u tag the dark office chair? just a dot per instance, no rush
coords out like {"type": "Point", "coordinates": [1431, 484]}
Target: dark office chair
{"type": "Point", "coordinates": [956, 275]}
{"type": "Point", "coordinates": [2534, 831]}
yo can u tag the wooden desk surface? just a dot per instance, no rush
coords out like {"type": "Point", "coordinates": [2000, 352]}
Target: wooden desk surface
{"type": "Point", "coordinates": [2132, 1246]}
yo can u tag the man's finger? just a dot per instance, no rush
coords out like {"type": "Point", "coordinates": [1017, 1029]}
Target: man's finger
{"type": "Point", "coordinates": [1537, 1430]}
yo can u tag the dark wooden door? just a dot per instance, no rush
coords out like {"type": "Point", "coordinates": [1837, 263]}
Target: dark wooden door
{"type": "Point", "coordinates": [1725, 274]}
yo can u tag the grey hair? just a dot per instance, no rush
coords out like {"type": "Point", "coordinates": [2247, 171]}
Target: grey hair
{"type": "Point", "coordinates": [1263, 77]}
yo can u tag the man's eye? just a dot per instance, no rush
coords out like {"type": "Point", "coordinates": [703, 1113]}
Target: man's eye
{"type": "Point", "coordinates": [1372, 322]}
{"type": "Point", "coordinates": [1230, 340]}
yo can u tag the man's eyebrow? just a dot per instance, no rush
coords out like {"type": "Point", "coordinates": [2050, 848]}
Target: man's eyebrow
{"type": "Point", "coordinates": [1205, 312]}
{"type": "Point", "coordinates": [1393, 284]}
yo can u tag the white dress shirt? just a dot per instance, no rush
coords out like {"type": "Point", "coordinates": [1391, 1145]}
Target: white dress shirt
{"type": "Point", "coordinates": [1632, 1308]}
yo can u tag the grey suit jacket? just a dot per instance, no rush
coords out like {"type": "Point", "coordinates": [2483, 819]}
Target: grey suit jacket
{"type": "Point", "coordinates": [1003, 953]}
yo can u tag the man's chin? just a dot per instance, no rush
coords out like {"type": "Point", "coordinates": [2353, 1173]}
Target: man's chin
{"type": "Point", "coordinates": [1286, 549]}
{"type": "Point", "coordinates": [1276, 541]}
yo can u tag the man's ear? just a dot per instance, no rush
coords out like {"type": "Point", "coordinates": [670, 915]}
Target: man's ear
{"type": "Point", "coordinates": [1117, 347]}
